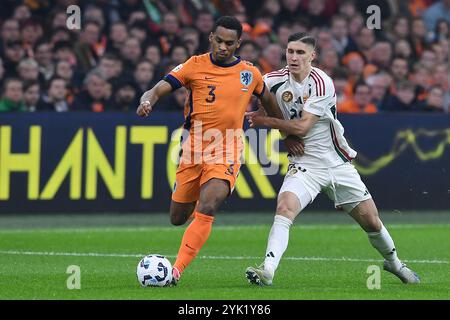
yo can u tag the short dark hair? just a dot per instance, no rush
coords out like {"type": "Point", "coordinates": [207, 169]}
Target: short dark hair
{"type": "Point", "coordinates": [229, 22]}
{"type": "Point", "coordinates": [303, 37]}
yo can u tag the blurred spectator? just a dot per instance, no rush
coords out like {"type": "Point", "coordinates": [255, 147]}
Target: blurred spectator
{"type": "Point", "coordinates": [125, 97]}
{"type": "Point", "coordinates": [250, 51]}
{"type": "Point", "coordinates": [347, 8]}
{"type": "Point", "coordinates": [355, 25]}
{"type": "Point", "coordinates": [441, 77]}
{"type": "Point", "coordinates": [379, 84]}
{"type": "Point", "coordinates": [434, 101]}
{"type": "Point", "coordinates": [13, 54]}
{"type": "Point", "coordinates": [324, 40]}
{"type": "Point", "coordinates": [328, 61]}
{"type": "Point", "coordinates": [178, 53]}
{"type": "Point", "coordinates": [191, 38]}
{"type": "Point", "coordinates": [117, 35]}
{"type": "Point", "coordinates": [169, 31]}
{"type": "Point", "coordinates": [61, 34]}
{"type": "Point", "coordinates": [399, 28]}
{"type": "Point", "coordinates": [62, 50]}
{"type": "Point", "coordinates": [28, 69]}
{"type": "Point", "coordinates": [94, 94]}
{"type": "Point", "coordinates": [381, 55]}
{"type": "Point", "coordinates": [55, 97]}
{"type": "Point", "coordinates": [340, 80]}
{"type": "Point", "coordinates": [402, 48]}
{"type": "Point", "coordinates": [43, 55]}
{"type": "Point", "coordinates": [85, 48]}
{"type": "Point", "coordinates": [418, 36]}
{"type": "Point", "coordinates": [365, 40]}
{"type": "Point", "coordinates": [290, 11]}
{"type": "Point", "coordinates": [176, 101]}
{"type": "Point", "coordinates": [437, 11]}
{"type": "Point", "coordinates": [399, 69]}
{"type": "Point", "coordinates": [144, 75]}
{"type": "Point", "coordinates": [403, 99]}
{"type": "Point", "coordinates": [428, 60]}
{"type": "Point", "coordinates": [283, 33]}
{"type": "Point", "coordinates": [354, 64]}
{"type": "Point", "coordinates": [139, 30]}
{"type": "Point", "coordinates": [342, 42]}
{"type": "Point", "coordinates": [204, 23]}
{"type": "Point", "coordinates": [31, 94]}
{"type": "Point", "coordinates": [111, 66]}
{"type": "Point", "coordinates": [131, 53]}
{"type": "Point", "coordinates": [10, 31]}
{"type": "Point", "coordinates": [442, 31]}
{"type": "Point", "coordinates": [22, 13]}
{"type": "Point", "coordinates": [58, 18]}
{"type": "Point", "coordinates": [12, 95]}
{"type": "Point", "coordinates": [31, 32]}
{"type": "Point", "coordinates": [360, 103]}
{"type": "Point", "coordinates": [441, 55]}
{"type": "Point", "coordinates": [261, 34]}
{"type": "Point", "coordinates": [315, 10]}
{"type": "Point", "coordinates": [271, 58]}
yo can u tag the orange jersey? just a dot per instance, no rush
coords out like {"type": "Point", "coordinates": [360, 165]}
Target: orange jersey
{"type": "Point", "coordinates": [218, 97]}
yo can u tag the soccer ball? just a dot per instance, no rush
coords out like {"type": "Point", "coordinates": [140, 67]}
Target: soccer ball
{"type": "Point", "coordinates": [154, 270]}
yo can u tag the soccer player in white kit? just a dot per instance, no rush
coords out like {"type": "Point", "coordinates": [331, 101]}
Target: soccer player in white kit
{"type": "Point", "coordinates": [307, 99]}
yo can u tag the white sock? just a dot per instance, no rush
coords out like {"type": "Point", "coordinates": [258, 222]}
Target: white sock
{"type": "Point", "coordinates": [277, 243]}
{"type": "Point", "coordinates": [383, 242]}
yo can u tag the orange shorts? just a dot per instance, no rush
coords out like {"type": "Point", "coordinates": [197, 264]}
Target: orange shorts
{"type": "Point", "coordinates": [190, 178]}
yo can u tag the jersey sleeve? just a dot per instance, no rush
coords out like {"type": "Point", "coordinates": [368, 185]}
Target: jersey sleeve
{"type": "Point", "coordinates": [181, 75]}
{"type": "Point", "coordinates": [321, 96]}
{"type": "Point", "coordinates": [259, 87]}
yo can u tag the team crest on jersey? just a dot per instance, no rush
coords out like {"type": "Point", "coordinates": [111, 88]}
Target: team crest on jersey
{"type": "Point", "coordinates": [287, 96]}
{"type": "Point", "coordinates": [246, 78]}
{"type": "Point", "coordinates": [305, 97]}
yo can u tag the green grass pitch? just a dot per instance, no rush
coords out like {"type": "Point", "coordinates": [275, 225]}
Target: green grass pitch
{"type": "Point", "coordinates": [323, 261]}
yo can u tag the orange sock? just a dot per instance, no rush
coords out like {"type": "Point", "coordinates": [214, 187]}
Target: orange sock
{"type": "Point", "coordinates": [193, 240]}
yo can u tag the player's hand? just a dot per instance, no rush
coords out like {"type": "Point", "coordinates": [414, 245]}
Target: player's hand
{"type": "Point", "coordinates": [144, 109]}
{"type": "Point", "coordinates": [255, 118]}
{"type": "Point", "coordinates": [295, 145]}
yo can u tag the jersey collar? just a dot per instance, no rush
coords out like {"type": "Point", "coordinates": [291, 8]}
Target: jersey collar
{"type": "Point", "coordinates": [224, 64]}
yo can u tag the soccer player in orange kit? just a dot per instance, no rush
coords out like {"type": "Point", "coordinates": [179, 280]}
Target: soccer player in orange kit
{"type": "Point", "coordinates": [220, 87]}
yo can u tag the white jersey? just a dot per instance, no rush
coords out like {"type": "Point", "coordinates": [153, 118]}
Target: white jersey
{"type": "Point", "coordinates": [325, 145]}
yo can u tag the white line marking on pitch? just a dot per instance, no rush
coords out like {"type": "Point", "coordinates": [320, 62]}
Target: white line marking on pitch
{"type": "Point", "coordinates": [129, 255]}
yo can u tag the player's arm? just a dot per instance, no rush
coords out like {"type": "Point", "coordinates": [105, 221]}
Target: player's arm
{"type": "Point", "coordinates": [298, 127]}
{"type": "Point", "coordinates": [270, 105]}
{"type": "Point", "coordinates": [150, 97]}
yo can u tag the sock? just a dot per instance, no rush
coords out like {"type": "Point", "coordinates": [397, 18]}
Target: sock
{"type": "Point", "coordinates": [277, 243]}
{"type": "Point", "coordinates": [193, 240]}
{"type": "Point", "coordinates": [383, 242]}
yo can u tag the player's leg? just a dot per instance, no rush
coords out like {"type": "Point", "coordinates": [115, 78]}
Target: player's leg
{"type": "Point", "coordinates": [298, 190]}
{"type": "Point", "coordinates": [352, 195]}
{"type": "Point", "coordinates": [215, 188]}
{"type": "Point", "coordinates": [366, 214]}
{"type": "Point", "coordinates": [180, 212]}
{"type": "Point", "coordinates": [288, 207]}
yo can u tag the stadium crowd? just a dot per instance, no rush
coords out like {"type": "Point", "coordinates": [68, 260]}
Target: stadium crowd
{"type": "Point", "coordinates": [124, 47]}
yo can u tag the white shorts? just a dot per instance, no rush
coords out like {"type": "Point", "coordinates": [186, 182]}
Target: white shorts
{"type": "Point", "coordinates": [342, 184]}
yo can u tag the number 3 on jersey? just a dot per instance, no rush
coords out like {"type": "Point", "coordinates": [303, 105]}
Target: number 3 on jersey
{"type": "Point", "coordinates": [212, 95]}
